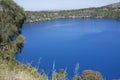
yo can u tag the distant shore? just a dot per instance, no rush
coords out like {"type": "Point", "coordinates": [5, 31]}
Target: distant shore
{"type": "Point", "coordinates": [102, 12]}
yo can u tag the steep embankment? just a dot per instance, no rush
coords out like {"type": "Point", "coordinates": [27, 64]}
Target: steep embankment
{"type": "Point", "coordinates": [12, 18]}
{"type": "Point", "coordinates": [109, 11]}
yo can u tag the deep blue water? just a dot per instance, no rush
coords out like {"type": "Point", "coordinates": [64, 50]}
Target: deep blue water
{"type": "Point", "coordinates": [93, 43]}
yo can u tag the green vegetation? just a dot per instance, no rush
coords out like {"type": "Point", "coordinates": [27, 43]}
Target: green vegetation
{"type": "Point", "coordinates": [12, 18]}
{"type": "Point", "coordinates": [101, 12]}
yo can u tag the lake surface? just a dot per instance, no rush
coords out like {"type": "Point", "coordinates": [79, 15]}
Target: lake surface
{"type": "Point", "coordinates": [93, 43]}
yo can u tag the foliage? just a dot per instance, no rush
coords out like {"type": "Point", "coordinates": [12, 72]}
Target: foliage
{"type": "Point", "coordinates": [12, 18]}
{"type": "Point", "coordinates": [61, 75]}
{"type": "Point", "coordinates": [91, 75]}
{"type": "Point", "coordinates": [102, 12]}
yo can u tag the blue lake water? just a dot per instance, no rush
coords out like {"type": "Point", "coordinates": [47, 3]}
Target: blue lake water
{"type": "Point", "coordinates": [93, 43]}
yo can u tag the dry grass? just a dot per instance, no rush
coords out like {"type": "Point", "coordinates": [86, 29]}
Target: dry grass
{"type": "Point", "coordinates": [19, 75]}
{"type": "Point", "coordinates": [16, 71]}
{"type": "Point", "coordinates": [11, 75]}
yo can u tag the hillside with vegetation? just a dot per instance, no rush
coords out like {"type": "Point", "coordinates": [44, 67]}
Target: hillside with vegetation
{"type": "Point", "coordinates": [12, 17]}
{"type": "Point", "coordinates": [114, 5]}
{"type": "Point", "coordinates": [109, 11]}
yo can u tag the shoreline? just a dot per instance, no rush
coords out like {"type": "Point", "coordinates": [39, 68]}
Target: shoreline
{"type": "Point", "coordinates": [69, 18]}
{"type": "Point", "coordinates": [102, 12]}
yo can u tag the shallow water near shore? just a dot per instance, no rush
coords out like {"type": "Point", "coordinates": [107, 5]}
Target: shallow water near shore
{"type": "Point", "coordinates": [93, 43]}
